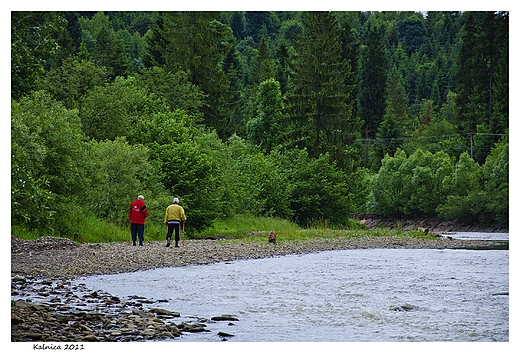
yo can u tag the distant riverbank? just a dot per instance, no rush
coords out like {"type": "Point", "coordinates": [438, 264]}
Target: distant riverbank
{"type": "Point", "coordinates": [434, 225]}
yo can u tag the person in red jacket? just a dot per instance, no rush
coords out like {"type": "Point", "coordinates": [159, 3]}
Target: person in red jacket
{"type": "Point", "coordinates": [137, 215]}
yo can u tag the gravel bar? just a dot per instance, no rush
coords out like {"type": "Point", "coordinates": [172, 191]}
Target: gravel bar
{"type": "Point", "coordinates": [61, 257]}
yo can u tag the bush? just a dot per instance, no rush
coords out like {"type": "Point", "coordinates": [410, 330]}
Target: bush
{"type": "Point", "coordinates": [47, 160]}
{"type": "Point", "coordinates": [119, 173]}
{"type": "Point", "coordinates": [479, 194]}
{"type": "Point", "coordinates": [410, 185]}
{"type": "Point", "coordinates": [318, 190]}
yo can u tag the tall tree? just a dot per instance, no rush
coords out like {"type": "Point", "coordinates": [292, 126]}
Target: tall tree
{"type": "Point", "coordinates": [373, 82]}
{"type": "Point", "coordinates": [264, 66]}
{"type": "Point", "coordinates": [472, 75]}
{"type": "Point", "coordinates": [197, 43]}
{"type": "Point", "coordinates": [110, 52]}
{"type": "Point", "coordinates": [499, 120]}
{"type": "Point", "coordinates": [395, 122]}
{"type": "Point", "coordinates": [321, 104]}
{"type": "Point", "coordinates": [234, 73]}
{"type": "Point", "coordinates": [411, 34]}
{"type": "Point", "coordinates": [350, 52]}
{"type": "Point", "coordinates": [237, 23]}
{"type": "Point", "coordinates": [265, 129]}
{"type": "Point", "coordinates": [33, 44]}
{"type": "Point", "coordinates": [70, 82]}
{"type": "Point", "coordinates": [258, 22]}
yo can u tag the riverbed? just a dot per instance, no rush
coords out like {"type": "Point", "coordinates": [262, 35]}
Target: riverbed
{"type": "Point", "coordinates": [358, 295]}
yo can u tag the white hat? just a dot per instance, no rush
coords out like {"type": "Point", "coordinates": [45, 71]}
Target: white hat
{"type": "Point", "coordinates": [175, 200]}
{"type": "Point", "coordinates": [140, 197]}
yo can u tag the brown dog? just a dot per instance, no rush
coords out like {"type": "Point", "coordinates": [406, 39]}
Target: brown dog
{"type": "Point", "coordinates": [272, 237]}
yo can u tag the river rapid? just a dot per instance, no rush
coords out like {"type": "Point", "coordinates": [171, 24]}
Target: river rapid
{"type": "Point", "coordinates": [364, 295]}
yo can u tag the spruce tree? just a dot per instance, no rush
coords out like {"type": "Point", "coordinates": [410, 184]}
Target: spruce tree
{"type": "Point", "coordinates": [471, 76]}
{"type": "Point", "coordinates": [197, 43]}
{"type": "Point", "coordinates": [321, 103]}
{"type": "Point", "coordinates": [499, 121]}
{"type": "Point", "coordinates": [373, 83]}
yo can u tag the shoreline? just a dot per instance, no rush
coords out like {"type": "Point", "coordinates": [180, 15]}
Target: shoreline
{"type": "Point", "coordinates": [61, 257]}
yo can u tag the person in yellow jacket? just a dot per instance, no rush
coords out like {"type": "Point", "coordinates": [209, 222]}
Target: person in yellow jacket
{"type": "Point", "coordinates": [172, 219]}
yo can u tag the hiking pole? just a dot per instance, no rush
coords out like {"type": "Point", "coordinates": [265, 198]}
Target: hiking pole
{"type": "Point", "coordinates": [183, 234]}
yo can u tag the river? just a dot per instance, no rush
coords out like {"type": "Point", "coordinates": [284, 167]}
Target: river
{"type": "Point", "coordinates": [364, 295]}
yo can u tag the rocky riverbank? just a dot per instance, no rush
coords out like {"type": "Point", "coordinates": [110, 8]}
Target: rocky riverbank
{"type": "Point", "coordinates": [54, 310]}
{"type": "Point", "coordinates": [434, 225]}
{"type": "Point", "coordinates": [46, 307]}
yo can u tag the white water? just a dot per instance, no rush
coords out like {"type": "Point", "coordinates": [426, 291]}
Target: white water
{"type": "Point", "coordinates": [336, 296]}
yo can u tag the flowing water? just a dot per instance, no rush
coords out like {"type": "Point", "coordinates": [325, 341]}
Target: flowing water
{"type": "Point", "coordinates": [363, 295]}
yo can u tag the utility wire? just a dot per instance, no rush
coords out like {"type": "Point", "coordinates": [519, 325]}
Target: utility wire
{"type": "Point", "coordinates": [428, 137]}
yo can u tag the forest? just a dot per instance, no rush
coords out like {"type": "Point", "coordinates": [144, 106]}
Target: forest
{"type": "Point", "coordinates": [309, 116]}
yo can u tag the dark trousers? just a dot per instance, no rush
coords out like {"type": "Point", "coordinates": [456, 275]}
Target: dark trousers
{"type": "Point", "coordinates": [137, 230]}
{"type": "Point", "coordinates": [173, 225]}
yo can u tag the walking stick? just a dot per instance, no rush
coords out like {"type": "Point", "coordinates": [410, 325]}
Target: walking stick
{"type": "Point", "coordinates": [183, 235]}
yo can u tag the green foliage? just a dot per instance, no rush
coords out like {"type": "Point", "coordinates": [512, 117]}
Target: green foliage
{"type": "Point", "coordinates": [189, 172]}
{"type": "Point", "coordinates": [70, 82]}
{"type": "Point", "coordinates": [33, 43]}
{"type": "Point", "coordinates": [320, 106]}
{"type": "Point", "coordinates": [47, 159]}
{"type": "Point", "coordinates": [174, 88]}
{"type": "Point", "coordinates": [496, 183]}
{"type": "Point", "coordinates": [411, 34]}
{"type": "Point", "coordinates": [411, 185]}
{"type": "Point", "coordinates": [199, 55]}
{"type": "Point", "coordinates": [482, 53]}
{"type": "Point", "coordinates": [479, 193]}
{"type": "Point", "coordinates": [187, 158]}
{"type": "Point", "coordinates": [373, 81]}
{"type": "Point", "coordinates": [464, 190]}
{"type": "Point", "coordinates": [115, 109]}
{"type": "Point", "coordinates": [242, 175]}
{"type": "Point", "coordinates": [431, 184]}
{"type": "Point", "coordinates": [265, 130]}
{"type": "Point", "coordinates": [439, 135]}
{"type": "Point", "coordinates": [119, 173]}
{"type": "Point", "coordinates": [105, 44]}
{"type": "Point", "coordinates": [319, 191]}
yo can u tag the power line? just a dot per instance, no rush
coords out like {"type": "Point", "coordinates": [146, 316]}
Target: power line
{"type": "Point", "coordinates": [428, 137]}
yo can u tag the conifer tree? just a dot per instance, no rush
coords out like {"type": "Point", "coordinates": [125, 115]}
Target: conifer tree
{"type": "Point", "coordinates": [395, 122]}
{"type": "Point", "coordinates": [265, 129]}
{"type": "Point", "coordinates": [321, 103]}
{"type": "Point", "coordinates": [471, 76]}
{"type": "Point", "coordinates": [373, 83]}
{"type": "Point", "coordinates": [499, 121]}
{"type": "Point", "coordinates": [197, 43]}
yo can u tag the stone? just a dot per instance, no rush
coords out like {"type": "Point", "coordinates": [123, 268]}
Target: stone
{"type": "Point", "coordinates": [404, 307]}
{"type": "Point", "coordinates": [224, 318]}
{"type": "Point", "coordinates": [90, 338]}
{"type": "Point", "coordinates": [224, 334]}
{"type": "Point", "coordinates": [164, 312]}
{"type": "Point", "coordinates": [15, 320]}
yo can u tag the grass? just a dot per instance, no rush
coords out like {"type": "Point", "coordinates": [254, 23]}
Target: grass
{"type": "Point", "coordinates": [255, 229]}
{"type": "Point", "coordinates": [244, 227]}
{"type": "Point", "coordinates": [88, 229]}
